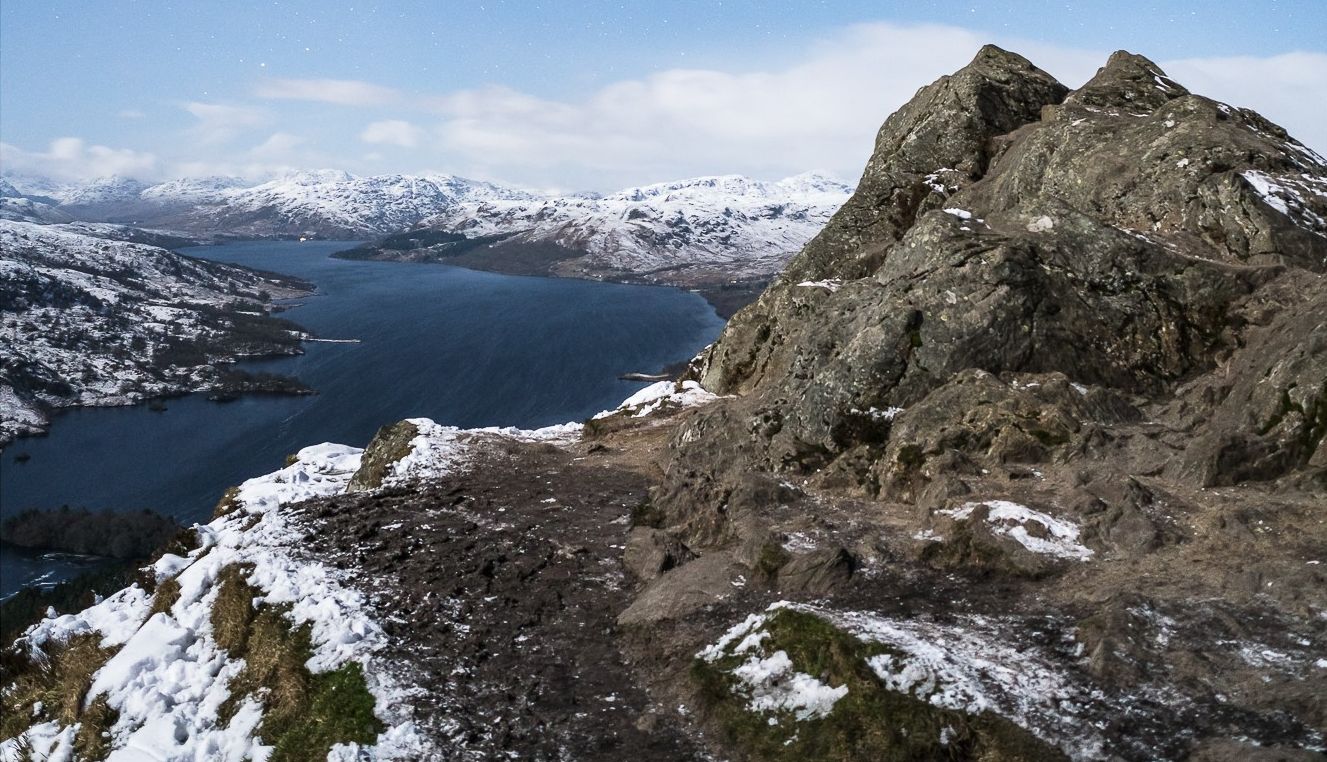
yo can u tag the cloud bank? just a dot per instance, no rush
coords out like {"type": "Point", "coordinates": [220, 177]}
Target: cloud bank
{"type": "Point", "coordinates": [72, 159]}
{"type": "Point", "coordinates": [819, 110]}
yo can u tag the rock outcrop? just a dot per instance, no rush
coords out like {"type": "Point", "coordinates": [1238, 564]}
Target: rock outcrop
{"type": "Point", "coordinates": [1072, 259]}
{"type": "Point", "coordinates": [1044, 329]}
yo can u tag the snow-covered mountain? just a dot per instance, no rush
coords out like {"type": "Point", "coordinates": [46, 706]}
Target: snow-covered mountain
{"type": "Point", "coordinates": [731, 223]}
{"type": "Point", "coordinates": [91, 321]}
{"type": "Point", "coordinates": [332, 203]}
{"type": "Point", "coordinates": [192, 190]}
{"type": "Point", "coordinates": [728, 223]}
{"type": "Point", "coordinates": [326, 203]}
{"type": "Point", "coordinates": [106, 191]}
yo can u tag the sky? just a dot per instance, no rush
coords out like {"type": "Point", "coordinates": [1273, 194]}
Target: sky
{"type": "Point", "coordinates": [585, 95]}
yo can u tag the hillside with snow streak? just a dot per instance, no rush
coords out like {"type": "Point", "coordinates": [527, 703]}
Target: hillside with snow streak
{"type": "Point", "coordinates": [92, 321]}
{"type": "Point", "coordinates": [728, 223]}
{"type": "Point", "coordinates": [242, 644]}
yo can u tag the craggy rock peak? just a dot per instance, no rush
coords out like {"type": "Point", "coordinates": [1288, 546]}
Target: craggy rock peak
{"type": "Point", "coordinates": [941, 138]}
{"type": "Point", "coordinates": [1047, 317]}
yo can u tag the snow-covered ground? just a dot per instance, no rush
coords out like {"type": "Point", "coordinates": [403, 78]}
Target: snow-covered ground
{"type": "Point", "coordinates": [169, 678]}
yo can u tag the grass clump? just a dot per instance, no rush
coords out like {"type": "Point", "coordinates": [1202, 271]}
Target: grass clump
{"type": "Point", "coordinates": [164, 597]}
{"type": "Point", "coordinates": [228, 504]}
{"type": "Point", "coordinates": [57, 679]}
{"type": "Point", "coordinates": [870, 722]}
{"type": "Point", "coordinates": [93, 739]}
{"type": "Point", "coordinates": [340, 709]}
{"type": "Point", "coordinates": [304, 714]}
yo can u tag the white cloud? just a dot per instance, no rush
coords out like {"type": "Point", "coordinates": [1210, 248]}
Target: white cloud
{"type": "Point", "coordinates": [131, 113]}
{"type": "Point", "coordinates": [1289, 89]}
{"type": "Point", "coordinates": [253, 171]}
{"type": "Point", "coordinates": [72, 159]}
{"type": "Point", "coordinates": [395, 132]}
{"type": "Point", "coordinates": [220, 122]}
{"type": "Point", "coordinates": [345, 92]}
{"type": "Point", "coordinates": [278, 146]}
{"type": "Point", "coordinates": [822, 110]}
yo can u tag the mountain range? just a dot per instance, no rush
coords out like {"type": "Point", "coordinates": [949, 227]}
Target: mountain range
{"type": "Point", "coordinates": [727, 222]}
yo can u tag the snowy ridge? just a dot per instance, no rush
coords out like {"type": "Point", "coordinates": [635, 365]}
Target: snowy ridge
{"type": "Point", "coordinates": [321, 202]}
{"type": "Point", "coordinates": [357, 205]}
{"type": "Point", "coordinates": [728, 221]}
{"type": "Point", "coordinates": [169, 678]}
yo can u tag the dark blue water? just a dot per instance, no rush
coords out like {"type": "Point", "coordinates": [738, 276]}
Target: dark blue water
{"type": "Point", "coordinates": [462, 347]}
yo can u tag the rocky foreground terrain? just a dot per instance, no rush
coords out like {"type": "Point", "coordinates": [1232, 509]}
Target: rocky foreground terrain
{"type": "Point", "coordinates": [104, 321]}
{"type": "Point", "coordinates": [1022, 458]}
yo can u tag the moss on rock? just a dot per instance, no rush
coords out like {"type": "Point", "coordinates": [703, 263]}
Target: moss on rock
{"type": "Point", "coordinates": [870, 722]}
{"type": "Point", "coordinates": [304, 714]}
{"type": "Point", "coordinates": [389, 445]}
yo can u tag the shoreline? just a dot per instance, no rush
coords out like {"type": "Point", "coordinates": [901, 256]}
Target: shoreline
{"type": "Point", "coordinates": [725, 295]}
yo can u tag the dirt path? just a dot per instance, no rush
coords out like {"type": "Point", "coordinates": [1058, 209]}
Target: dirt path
{"type": "Point", "coordinates": [500, 588]}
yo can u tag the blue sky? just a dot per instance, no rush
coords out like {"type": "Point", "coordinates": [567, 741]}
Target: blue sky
{"type": "Point", "coordinates": [572, 95]}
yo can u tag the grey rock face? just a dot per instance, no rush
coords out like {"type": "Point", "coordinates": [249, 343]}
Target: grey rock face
{"type": "Point", "coordinates": [1020, 270]}
{"type": "Point", "coordinates": [651, 552]}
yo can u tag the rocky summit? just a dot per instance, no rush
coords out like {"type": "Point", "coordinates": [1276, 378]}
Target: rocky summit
{"type": "Point", "coordinates": [1021, 458]}
{"type": "Point", "coordinates": [1059, 368]}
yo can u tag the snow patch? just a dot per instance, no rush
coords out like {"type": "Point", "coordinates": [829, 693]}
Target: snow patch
{"type": "Point", "coordinates": [1041, 224]}
{"type": "Point", "coordinates": [769, 682]}
{"type": "Point", "coordinates": [831, 285]}
{"type": "Point", "coordinates": [1034, 530]}
{"type": "Point", "coordinates": [659, 396]}
{"type": "Point", "coordinates": [438, 450]}
{"type": "Point", "coordinates": [1290, 195]}
{"type": "Point", "coordinates": [774, 686]}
